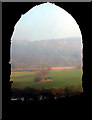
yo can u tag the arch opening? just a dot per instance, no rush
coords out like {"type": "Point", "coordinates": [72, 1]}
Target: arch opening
{"type": "Point", "coordinates": [46, 51]}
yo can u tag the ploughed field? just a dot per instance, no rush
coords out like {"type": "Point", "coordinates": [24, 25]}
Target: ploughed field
{"type": "Point", "coordinates": [59, 79]}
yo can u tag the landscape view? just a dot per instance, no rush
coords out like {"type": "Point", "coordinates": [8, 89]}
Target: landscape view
{"type": "Point", "coordinates": [46, 55]}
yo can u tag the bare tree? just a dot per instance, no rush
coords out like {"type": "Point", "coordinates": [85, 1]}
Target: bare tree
{"type": "Point", "coordinates": [42, 74]}
{"type": "Point", "coordinates": [78, 65]}
{"type": "Point", "coordinates": [37, 77]}
{"type": "Point", "coordinates": [44, 70]}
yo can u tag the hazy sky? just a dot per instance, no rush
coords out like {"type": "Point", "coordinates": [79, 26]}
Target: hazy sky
{"type": "Point", "coordinates": [46, 21]}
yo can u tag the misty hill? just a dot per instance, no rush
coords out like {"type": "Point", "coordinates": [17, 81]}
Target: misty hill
{"type": "Point", "coordinates": [56, 52]}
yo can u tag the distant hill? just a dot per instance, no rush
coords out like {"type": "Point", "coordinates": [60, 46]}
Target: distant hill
{"type": "Point", "coordinates": [56, 52]}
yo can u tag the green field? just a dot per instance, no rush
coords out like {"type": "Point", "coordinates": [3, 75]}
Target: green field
{"type": "Point", "coordinates": [60, 79]}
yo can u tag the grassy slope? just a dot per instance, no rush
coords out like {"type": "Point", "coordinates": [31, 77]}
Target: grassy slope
{"type": "Point", "coordinates": [61, 79]}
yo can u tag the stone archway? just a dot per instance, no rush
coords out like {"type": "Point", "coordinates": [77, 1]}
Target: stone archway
{"type": "Point", "coordinates": [12, 21]}
{"type": "Point", "coordinates": [8, 27]}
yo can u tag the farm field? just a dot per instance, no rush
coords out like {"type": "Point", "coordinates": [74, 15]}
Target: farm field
{"type": "Point", "coordinates": [59, 79]}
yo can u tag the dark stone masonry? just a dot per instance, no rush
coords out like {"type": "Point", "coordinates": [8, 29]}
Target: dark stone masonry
{"type": "Point", "coordinates": [11, 14]}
